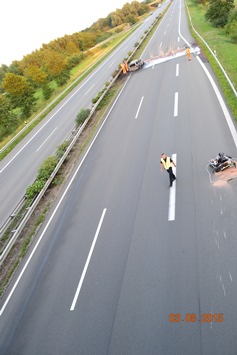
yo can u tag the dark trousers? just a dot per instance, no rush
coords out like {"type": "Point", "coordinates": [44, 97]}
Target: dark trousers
{"type": "Point", "coordinates": [171, 175]}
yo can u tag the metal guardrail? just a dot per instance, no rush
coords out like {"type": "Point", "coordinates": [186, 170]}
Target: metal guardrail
{"type": "Point", "coordinates": [12, 216]}
{"type": "Point", "coordinates": [30, 209]}
{"type": "Point", "coordinates": [73, 137]}
{"type": "Point", "coordinates": [214, 55]}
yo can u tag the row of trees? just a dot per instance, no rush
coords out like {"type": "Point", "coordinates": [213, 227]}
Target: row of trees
{"type": "Point", "coordinates": [52, 63]}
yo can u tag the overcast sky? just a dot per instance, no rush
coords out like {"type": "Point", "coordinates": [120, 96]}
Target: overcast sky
{"type": "Point", "coordinates": [25, 24]}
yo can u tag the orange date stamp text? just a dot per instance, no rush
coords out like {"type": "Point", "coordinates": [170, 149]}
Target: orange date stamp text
{"type": "Point", "coordinates": [193, 318]}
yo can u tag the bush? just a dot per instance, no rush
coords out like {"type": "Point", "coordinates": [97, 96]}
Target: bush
{"type": "Point", "coordinates": [47, 168]}
{"type": "Point", "coordinates": [103, 37]}
{"type": "Point", "coordinates": [82, 116]}
{"type": "Point", "coordinates": [34, 189]}
{"type": "Point", "coordinates": [43, 175]}
{"type": "Point", "coordinates": [75, 60]}
{"type": "Point", "coordinates": [106, 99]}
{"type": "Point", "coordinates": [61, 149]}
{"type": "Point", "coordinates": [98, 96]}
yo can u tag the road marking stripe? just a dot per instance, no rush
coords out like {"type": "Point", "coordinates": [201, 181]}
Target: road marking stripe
{"type": "Point", "coordinates": [176, 101]}
{"type": "Point", "coordinates": [59, 203]}
{"type": "Point", "coordinates": [177, 69]}
{"type": "Point", "coordinates": [46, 139]}
{"type": "Point", "coordinates": [172, 197]}
{"type": "Point", "coordinates": [224, 290]}
{"type": "Point", "coordinates": [91, 87]}
{"type": "Point", "coordinates": [139, 107]}
{"type": "Point", "coordinates": [87, 262]}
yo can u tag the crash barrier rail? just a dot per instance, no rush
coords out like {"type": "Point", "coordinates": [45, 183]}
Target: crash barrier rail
{"type": "Point", "coordinates": [22, 213]}
{"type": "Point", "coordinates": [13, 215]}
{"type": "Point", "coordinates": [214, 55]}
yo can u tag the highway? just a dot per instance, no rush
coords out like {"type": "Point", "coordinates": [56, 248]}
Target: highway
{"type": "Point", "coordinates": [124, 264]}
{"type": "Point", "coordinates": [18, 170]}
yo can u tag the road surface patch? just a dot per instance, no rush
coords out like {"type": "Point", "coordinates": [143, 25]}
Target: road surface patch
{"type": "Point", "coordinates": [223, 177]}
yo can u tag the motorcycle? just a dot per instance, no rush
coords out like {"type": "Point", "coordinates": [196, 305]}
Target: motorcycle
{"type": "Point", "coordinates": [222, 162]}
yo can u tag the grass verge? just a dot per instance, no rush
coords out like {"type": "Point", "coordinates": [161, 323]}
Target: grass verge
{"type": "Point", "coordinates": [225, 49]}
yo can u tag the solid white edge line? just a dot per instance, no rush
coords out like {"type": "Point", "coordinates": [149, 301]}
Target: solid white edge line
{"type": "Point", "coordinates": [58, 205]}
{"type": "Point", "coordinates": [215, 88]}
{"type": "Point", "coordinates": [176, 103]}
{"type": "Point", "coordinates": [172, 196]}
{"type": "Point", "coordinates": [87, 262]}
{"type": "Point", "coordinates": [221, 102]}
{"type": "Point", "coordinates": [139, 107]}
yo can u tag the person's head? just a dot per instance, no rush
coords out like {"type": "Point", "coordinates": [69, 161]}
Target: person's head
{"type": "Point", "coordinates": [163, 155]}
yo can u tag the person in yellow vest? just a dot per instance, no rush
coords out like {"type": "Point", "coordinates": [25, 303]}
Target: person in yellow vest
{"type": "Point", "coordinates": [188, 53]}
{"type": "Point", "coordinates": [126, 65]}
{"type": "Point", "coordinates": [123, 68]}
{"type": "Point", "coordinates": [167, 163]}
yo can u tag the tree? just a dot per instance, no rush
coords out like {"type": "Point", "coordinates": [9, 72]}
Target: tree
{"type": "Point", "coordinates": [85, 40]}
{"type": "Point", "coordinates": [231, 27]}
{"type": "Point", "coordinates": [116, 19]}
{"type": "Point", "coordinates": [31, 59]}
{"type": "Point", "coordinates": [47, 91]}
{"type": "Point", "coordinates": [26, 102]}
{"type": "Point", "coordinates": [8, 120]}
{"type": "Point", "coordinates": [74, 60]}
{"type": "Point", "coordinates": [19, 92]}
{"type": "Point", "coordinates": [63, 77]}
{"type": "Point", "coordinates": [35, 74]}
{"type": "Point", "coordinates": [15, 68]}
{"type": "Point", "coordinates": [218, 12]}
{"type": "Point", "coordinates": [71, 48]}
{"type": "Point", "coordinates": [131, 19]}
{"type": "Point", "coordinates": [14, 84]}
{"type": "Point", "coordinates": [143, 9]}
{"type": "Point", "coordinates": [3, 72]}
{"type": "Point", "coordinates": [53, 63]}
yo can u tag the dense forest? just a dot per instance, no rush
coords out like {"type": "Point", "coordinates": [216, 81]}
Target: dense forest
{"type": "Point", "coordinates": [53, 62]}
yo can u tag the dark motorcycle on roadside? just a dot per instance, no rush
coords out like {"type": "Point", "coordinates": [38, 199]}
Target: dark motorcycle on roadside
{"type": "Point", "coordinates": [222, 162]}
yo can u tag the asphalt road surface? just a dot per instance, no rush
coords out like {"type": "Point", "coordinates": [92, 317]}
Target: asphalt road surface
{"type": "Point", "coordinates": [124, 264]}
{"type": "Point", "coordinates": [18, 170]}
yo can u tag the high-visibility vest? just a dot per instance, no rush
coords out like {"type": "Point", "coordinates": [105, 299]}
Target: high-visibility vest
{"type": "Point", "coordinates": [167, 163]}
